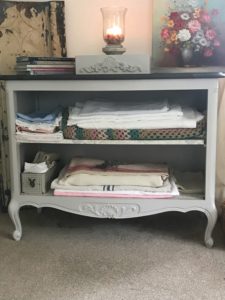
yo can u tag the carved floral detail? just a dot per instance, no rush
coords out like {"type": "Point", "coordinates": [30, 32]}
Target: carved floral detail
{"type": "Point", "coordinates": [110, 65]}
{"type": "Point", "coordinates": [111, 211]}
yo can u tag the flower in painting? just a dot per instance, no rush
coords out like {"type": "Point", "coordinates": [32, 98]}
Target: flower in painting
{"type": "Point", "coordinates": [210, 34]}
{"type": "Point", "coordinates": [174, 16]}
{"type": "Point", "coordinates": [170, 23]}
{"type": "Point", "coordinates": [216, 43]}
{"type": "Point", "coordinates": [203, 42]}
{"type": "Point", "coordinates": [173, 36]}
{"type": "Point", "coordinates": [199, 35]}
{"type": "Point", "coordinates": [165, 34]}
{"type": "Point", "coordinates": [196, 13]}
{"type": "Point", "coordinates": [205, 17]}
{"type": "Point", "coordinates": [194, 25]}
{"type": "Point", "coordinates": [188, 24]}
{"type": "Point", "coordinates": [185, 16]}
{"type": "Point", "coordinates": [184, 35]}
{"type": "Point", "coordinates": [208, 52]}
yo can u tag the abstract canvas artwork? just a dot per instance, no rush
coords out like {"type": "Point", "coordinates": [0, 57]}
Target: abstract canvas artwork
{"type": "Point", "coordinates": [188, 33]}
{"type": "Point", "coordinates": [32, 29]}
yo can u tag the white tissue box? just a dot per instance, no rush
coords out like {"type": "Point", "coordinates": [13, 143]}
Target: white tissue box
{"type": "Point", "coordinates": [36, 183]}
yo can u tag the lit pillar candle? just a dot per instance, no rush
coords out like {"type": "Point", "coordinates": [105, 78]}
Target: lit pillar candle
{"type": "Point", "coordinates": [113, 29]}
{"type": "Point", "coordinates": [114, 35]}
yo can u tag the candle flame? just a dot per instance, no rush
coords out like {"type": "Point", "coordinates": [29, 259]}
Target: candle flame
{"type": "Point", "coordinates": [115, 30]}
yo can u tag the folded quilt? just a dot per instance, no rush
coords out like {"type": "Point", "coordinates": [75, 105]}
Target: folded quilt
{"type": "Point", "coordinates": [165, 188]}
{"type": "Point", "coordinates": [83, 171]}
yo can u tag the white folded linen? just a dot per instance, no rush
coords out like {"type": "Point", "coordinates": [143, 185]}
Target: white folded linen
{"type": "Point", "coordinates": [173, 114]}
{"type": "Point", "coordinates": [107, 108]}
{"type": "Point", "coordinates": [32, 136]}
{"type": "Point", "coordinates": [117, 113]}
{"type": "Point", "coordinates": [151, 114]}
{"type": "Point", "coordinates": [188, 120]}
{"type": "Point", "coordinates": [120, 194]}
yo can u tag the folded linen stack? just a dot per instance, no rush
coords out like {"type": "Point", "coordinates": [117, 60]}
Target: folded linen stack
{"type": "Point", "coordinates": [38, 125]}
{"type": "Point", "coordinates": [142, 115]}
{"type": "Point", "coordinates": [87, 177]}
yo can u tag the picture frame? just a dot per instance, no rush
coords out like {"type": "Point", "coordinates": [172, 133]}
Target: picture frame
{"type": "Point", "coordinates": [188, 33]}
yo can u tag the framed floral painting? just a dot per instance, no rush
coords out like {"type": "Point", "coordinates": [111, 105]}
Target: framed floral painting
{"type": "Point", "coordinates": [188, 33]}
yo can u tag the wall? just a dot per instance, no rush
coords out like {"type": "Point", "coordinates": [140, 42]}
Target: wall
{"type": "Point", "coordinates": [84, 25]}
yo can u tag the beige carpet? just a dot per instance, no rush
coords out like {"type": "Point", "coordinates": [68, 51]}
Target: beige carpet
{"type": "Point", "coordinates": [64, 256]}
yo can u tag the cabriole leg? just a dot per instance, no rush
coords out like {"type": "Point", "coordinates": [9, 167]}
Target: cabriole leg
{"type": "Point", "coordinates": [14, 215]}
{"type": "Point", "coordinates": [212, 217]}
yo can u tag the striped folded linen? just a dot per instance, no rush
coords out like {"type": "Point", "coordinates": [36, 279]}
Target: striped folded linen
{"type": "Point", "coordinates": [120, 194]}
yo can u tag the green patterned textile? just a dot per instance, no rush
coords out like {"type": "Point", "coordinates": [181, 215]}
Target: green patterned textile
{"type": "Point", "coordinates": [77, 133]}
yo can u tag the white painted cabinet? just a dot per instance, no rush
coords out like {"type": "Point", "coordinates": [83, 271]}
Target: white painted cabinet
{"type": "Point", "coordinates": [187, 155]}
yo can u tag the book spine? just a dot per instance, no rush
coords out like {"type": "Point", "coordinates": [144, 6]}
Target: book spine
{"type": "Point", "coordinates": [33, 59]}
{"type": "Point", "coordinates": [49, 65]}
{"type": "Point", "coordinates": [50, 72]}
{"type": "Point", "coordinates": [49, 62]}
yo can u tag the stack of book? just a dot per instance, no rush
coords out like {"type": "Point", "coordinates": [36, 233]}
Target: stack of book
{"type": "Point", "coordinates": [35, 65]}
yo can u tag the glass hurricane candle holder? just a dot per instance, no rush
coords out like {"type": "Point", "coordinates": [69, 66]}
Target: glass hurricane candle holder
{"type": "Point", "coordinates": [113, 29]}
